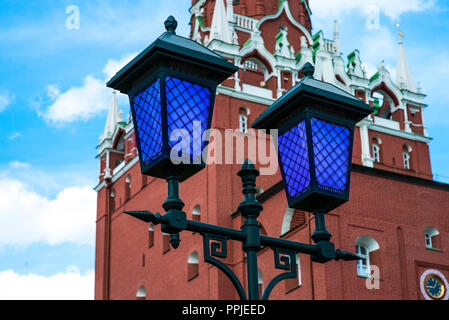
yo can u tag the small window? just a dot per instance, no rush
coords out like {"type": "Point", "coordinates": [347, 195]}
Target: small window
{"type": "Point", "coordinates": [192, 266]}
{"type": "Point", "coordinates": [368, 249]}
{"type": "Point", "coordinates": [127, 187]}
{"type": "Point", "coordinates": [406, 157]}
{"type": "Point", "coordinates": [292, 284]}
{"type": "Point", "coordinates": [243, 123]}
{"type": "Point", "coordinates": [260, 282]}
{"type": "Point", "coordinates": [112, 201]}
{"type": "Point", "coordinates": [141, 293]}
{"type": "Point", "coordinates": [376, 153]}
{"type": "Point", "coordinates": [431, 238]}
{"type": "Point", "coordinates": [196, 213]}
{"type": "Point", "coordinates": [165, 243]}
{"type": "Point", "coordinates": [151, 236]}
{"type": "Point", "coordinates": [363, 268]}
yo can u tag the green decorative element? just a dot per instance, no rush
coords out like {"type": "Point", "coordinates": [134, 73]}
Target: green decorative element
{"type": "Point", "coordinates": [247, 43]}
{"type": "Point", "coordinates": [298, 56]}
{"type": "Point", "coordinates": [375, 77]}
{"type": "Point", "coordinates": [351, 58]}
{"type": "Point", "coordinates": [279, 37]}
{"type": "Point", "coordinates": [201, 21]}
{"type": "Point", "coordinates": [376, 106]}
{"type": "Point", "coordinates": [316, 43]}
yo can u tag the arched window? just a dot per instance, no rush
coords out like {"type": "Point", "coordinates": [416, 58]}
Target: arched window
{"type": "Point", "coordinates": [376, 153]}
{"type": "Point", "coordinates": [292, 219]}
{"type": "Point", "coordinates": [127, 187]}
{"type": "Point", "coordinates": [121, 144]}
{"type": "Point", "coordinates": [196, 213]}
{"type": "Point", "coordinates": [192, 266]}
{"type": "Point", "coordinates": [367, 248]}
{"type": "Point", "coordinates": [243, 119]}
{"type": "Point", "coordinates": [112, 201]}
{"type": "Point", "coordinates": [260, 281]}
{"type": "Point", "coordinates": [165, 243]}
{"type": "Point", "coordinates": [151, 236]}
{"type": "Point", "coordinates": [141, 293]}
{"type": "Point", "coordinates": [406, 150]}
{"type": "Point", "coordinates": [243, 123]}
{"type": "Point", "coordinates": [432, 238]}
{"type": "Point", "coordinates": [406, 157]}
{"type": "Point", "coordinates": [376, 142]}
{"type": "Point", "coordinates": [292, 284]}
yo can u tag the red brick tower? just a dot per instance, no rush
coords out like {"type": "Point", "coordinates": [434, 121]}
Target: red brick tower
{"type": "Point", "coordinates": [396, 217]}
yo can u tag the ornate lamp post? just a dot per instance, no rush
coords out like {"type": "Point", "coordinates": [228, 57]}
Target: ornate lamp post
{"type": "Point", "coordinates": [171, 85]}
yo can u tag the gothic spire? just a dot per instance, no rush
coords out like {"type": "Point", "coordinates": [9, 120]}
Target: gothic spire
{"type": "Point", "coordinates": [404, 76]}
{"type": "Point", "coordinates": [113, 117]}
{"type": "Point", "coordinates": [220, 29]}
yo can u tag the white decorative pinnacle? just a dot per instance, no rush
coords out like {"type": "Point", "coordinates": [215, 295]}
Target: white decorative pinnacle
{"type": "Point", "coordinates": [337, 38]}
{"type": "Point", "coordinates": [404, 77]}
{"type": "Point", "coordinates": [283, 47]}
{"type": "Point", "coordinates": [113, 118]}
{"type": "Point", "coordinates": [220, 29]}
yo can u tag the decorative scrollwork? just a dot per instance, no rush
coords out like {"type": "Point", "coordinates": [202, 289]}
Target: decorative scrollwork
{"type": "Point", "coordinates": [283, 260]}
{"type": "Point", "coordinates": [218, 248]}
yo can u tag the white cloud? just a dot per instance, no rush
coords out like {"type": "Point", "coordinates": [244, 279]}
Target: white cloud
{"type": "Point", "coordinates": [393, 9]}
{"type": "Point", "coordinates": [70, 285]}
{"type": "Point", "coordinates": [27, 217]}
{"type": "Point", "coordinates": [85, 101]}
{"type": "Point", "coordinates": [113, 66]}
{"type": "Point", "coordinates": [77, 103]}
{"type": "Point", "coordinates": [14, 135]}
{"type": "Point", "coordinates": [19, 165]}
{"type": "Point", "coordinates": [5, 100]}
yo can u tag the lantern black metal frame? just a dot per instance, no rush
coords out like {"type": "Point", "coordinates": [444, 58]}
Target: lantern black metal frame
{"type": "Point", "coordinates": [181, 57]}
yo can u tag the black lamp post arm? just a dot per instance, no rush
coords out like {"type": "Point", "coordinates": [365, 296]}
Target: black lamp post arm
{"type": "Point", "coordinates": [215, 237]}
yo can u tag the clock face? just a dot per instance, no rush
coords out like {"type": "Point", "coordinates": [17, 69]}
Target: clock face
{"type": "Point", "coordinates": [435, 287]}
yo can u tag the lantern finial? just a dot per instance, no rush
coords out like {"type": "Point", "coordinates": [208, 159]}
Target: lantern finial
{"type": "Point", "coordinates": [308, 70]}
{"type": "Point", "coordinates": [171, 24]}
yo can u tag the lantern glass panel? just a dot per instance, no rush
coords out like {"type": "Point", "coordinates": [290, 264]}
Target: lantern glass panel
{"type": "Point", "coordinates": [147, 111]}
{"type": "Point", "coordinates": [188, 107]}
{"type": "Point", "coordinates": [331, 144]}
{"type": "Point", "coordinates": [294, 156]}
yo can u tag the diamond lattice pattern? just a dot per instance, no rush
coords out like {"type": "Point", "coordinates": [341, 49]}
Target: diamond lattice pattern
{"type": "Point", "coordinates": [188, 111]}
{"type": "Point", "coordinates": [147, 110]}
{"type": "Point", "coordinates": [294, 157]}
{"type": "Point", "coordinates": [331, 155]}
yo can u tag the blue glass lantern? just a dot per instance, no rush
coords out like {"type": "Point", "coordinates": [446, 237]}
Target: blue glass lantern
{"type": "Point", "coordinates": [171, 86]}
{"type": "Point", "coordinates": [315, 122]}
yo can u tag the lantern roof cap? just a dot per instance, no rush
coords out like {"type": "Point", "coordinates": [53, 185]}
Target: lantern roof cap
{"type": "Point", "coordinates": [170, 44]}
{"type": "Point", "coordinates": [314, 89]}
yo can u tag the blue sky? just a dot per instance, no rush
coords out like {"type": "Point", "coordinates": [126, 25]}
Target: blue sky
{"type": "Point", "coordinates": [53, 106]}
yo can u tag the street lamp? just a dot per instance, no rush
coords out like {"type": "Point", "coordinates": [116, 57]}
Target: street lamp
{"type": "Point", "coordinates": [315, 122]}
{"type": "Point", "coordinates": [171, 86]}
